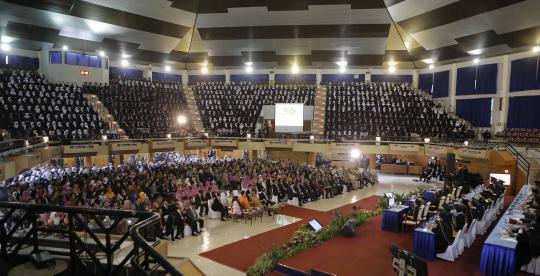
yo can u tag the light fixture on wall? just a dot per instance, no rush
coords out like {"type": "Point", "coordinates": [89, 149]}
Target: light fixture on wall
{"type": "Point", "coordinates": [355, 153]}
{"type": "Point", "coordinates": [249, 67]}
{"type": "Point", "coordinates": [104, 137]}
{"type": "Point", "coordinates": [476, 60]}
{"type": "Point", "coordinates": [167, 68]}
{"type": "Point", "coordinates": [475, 52]}
{"type": "Point", "coordinates": [65, 48]}
{"type": "Point", "coordinates": [181, 119]}
{"type": "Point", "coordinates": [169, 136]}
{"type": "Point", "coordinates": [124, 62]}
{"type": "Point", "coordinates": [427, 140]}
{"type": "Point", "coordinates": [45, 139]}
{"type": "Point", "coordinates": [466, 143]}
{"type": "Point", "coordinates": [5, 47]}
{"type": "Point", "coordinates": [295, 69]}
{"type": "Point", "coordinates": [536, 49]}
{"type": "Point", "coordinates": [248, 135]}
{"type": "Point", "coordinates": [505, 171]}
{"type": "Point", "coordinates": [378, 138]}
{"type": "Point", "coordinates": [392, 69]}
{"type": "Point", "coordinates": [431, 66]}
{"type": "Point", "coordinates": [204, 70]}
{"type": "Point", "coordinates": [101, 53]}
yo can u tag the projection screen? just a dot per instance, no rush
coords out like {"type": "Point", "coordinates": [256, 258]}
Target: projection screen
{"type": "Point", "coordinates": [289, 117]}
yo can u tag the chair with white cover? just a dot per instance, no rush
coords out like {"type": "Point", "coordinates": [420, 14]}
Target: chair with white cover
{"type": "Point", "coordinates": [448, 198]}
{"type": "Point", "coordinates": [211, 213]}
{"type": "Point", "coordinates": [482, 224]}
{"type": "Point", "coordinates": [451, 252]}
{"type": "Point", "coordinates": [470, 235]}
{"type": "Point", "coordinates": [293, 201]}
{"type": "Point", "coordinates": [413, 221]}
{"type": "Point", "coordinates": [275, 199]}
{"type": "Point", "coordinates": [345, 188]}
{"type": "Point", "coordinates": [453, 193]}
{"type": "Point", "coordinates": [458, 192]}
{"type": "Point", "coordinates": [187, 231]}
{"type": "Point", "coordinates": [460, 245]}
{"type": "Point", "coordinates": [532, 267]}
{"type": "Point", "coordinates": [426, 210]}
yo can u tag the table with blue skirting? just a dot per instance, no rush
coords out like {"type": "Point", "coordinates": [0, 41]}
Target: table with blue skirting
{"type": "Point", "coordinates": [424, 243]}
{"type": "Point", "coordinates": [430, 196]}
{"type": "Point", "coordinates": [392, 218]}
{"type": "Point", "coordinates": [409, 202]}
{"type": "Point", "coordinates": [499, 253]}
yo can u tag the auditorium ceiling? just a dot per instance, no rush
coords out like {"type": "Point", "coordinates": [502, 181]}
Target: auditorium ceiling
{"type": "Point", "coordinates": [276, 33]}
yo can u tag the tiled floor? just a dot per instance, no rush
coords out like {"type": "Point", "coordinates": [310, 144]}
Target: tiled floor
{"type": "Point", "coordinates": [220, 233]}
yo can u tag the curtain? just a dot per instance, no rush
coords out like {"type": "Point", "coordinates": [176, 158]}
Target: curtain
{"type": "Point", "coordinates": [166, 77]}
{"type": "Point", "coordinates": [524, 74]}
{"type": "Point", "coordinates": [341, 78]}
{"type": "Point", "coordinates": [440, 84]}
{"type": "Point", "coordinates": [392, 78]}
{"type": "Point", "coordinates": [466, 78]}
{"type": "Point", "coordinates": [200, 78]}
{"type": "Point", "coordinates": [251, 77]}
{"type": "Point", "coordinates": [425, 82]}
{"type": "Point", "coordinates": [296, 78]}
{"type": "Point", "coordinates": [523, 112]}
{"type": "Point", "coordinates": [55, 57]}
{"type": "Point", "coordinates": [21, 62]}
{"type": "Point", "coordinates": [486, 79]}
{"type": "Point", "coordinates": [476, 111]}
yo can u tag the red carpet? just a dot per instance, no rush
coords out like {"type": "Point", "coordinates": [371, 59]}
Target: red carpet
{"type": "Point", "coordinates": [243, 253]}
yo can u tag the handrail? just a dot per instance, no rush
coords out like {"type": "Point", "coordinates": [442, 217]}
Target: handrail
{"type": "Point", "coordinates": [147, 249]}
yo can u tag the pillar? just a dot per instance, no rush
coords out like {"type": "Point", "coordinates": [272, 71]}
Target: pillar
{"type": "Point", "coordinates": [453, 83]}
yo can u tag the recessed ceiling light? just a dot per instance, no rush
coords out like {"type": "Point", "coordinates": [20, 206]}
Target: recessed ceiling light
{"type": "Point", "coordinates": [65, 48]}
{"type": "Point", "coordinates": [428, 60]}
{"type": "Point", "coordinates": [431, 66]}
{"type": "Point", "coordinates": [475, 52]}
{"type": "Point", "coordinates": [342, 69]}
{"type": "Point", "coordinates": [476, 60]}
{"type": "Point", "coordinates": [167, 68]}
{"type": "Point", "coordinates": [295, 69]}
{"type": "Point", "coordinates": [7, 39]}
{"type": "Point", "coordinates": [342, 63]}
{"type": "Point", "coordinates": [249, 69]}
{"type": "Point", "coordinates": [392, 63]}
{"type": "Point", "coordinates": [124, 62]}
{"type": "Point", "coordinates": [392, 69]}
{"type": "Point", "coordinates": [536, 49]}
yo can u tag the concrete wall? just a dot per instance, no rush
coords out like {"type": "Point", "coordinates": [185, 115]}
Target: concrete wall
{"type": "Point", "coordinates": [71, 73]}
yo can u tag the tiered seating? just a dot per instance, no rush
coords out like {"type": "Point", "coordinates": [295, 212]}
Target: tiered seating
{"type": "Point", "coordinates": [393, 111]}
{"type": "Point", "coordinates": [144, 109]}
{"type": "Point", "coordinates": [232, 109]}
{"type": "Point", "coordinates": [521, 135]}
{"type": "Point", "coordinates": [31, 106]}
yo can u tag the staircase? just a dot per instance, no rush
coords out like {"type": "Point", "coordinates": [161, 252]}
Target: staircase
{"type": "Point", "coordinates": [317, 126]}
{"type": "Point", "coordinates": [194, 114]}
{"type": "Point", "coordinates": [102, 111]}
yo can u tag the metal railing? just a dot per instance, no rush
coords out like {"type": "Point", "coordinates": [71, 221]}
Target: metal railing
{"type": "Point", "coordinates": [146, 259]}
{"type": "Point", "coordinates": [521, 161]}
{"type": "Point", "coordinates": [90, 240]}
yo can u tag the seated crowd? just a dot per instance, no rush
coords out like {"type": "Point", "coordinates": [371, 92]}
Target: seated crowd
{"type": "Point", "coordinates": [175, 185]}
{"type": "Point", "coordinates": [31, 106]}
{"type": "Point", "coordinates": [521, 135]}
{"type": "Point", "coordinates": [232, 109]}
{"type": "Point", "coordinates": [392, 111]}
{"type": "Point", "coordinates": [143, 108]}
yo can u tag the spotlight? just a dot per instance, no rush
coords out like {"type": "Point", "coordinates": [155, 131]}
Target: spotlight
{"type": "Point", "coordinates": [104, 137]}
{"type": "Point", "coordinates": [427, 140]}
{"type": "Point", "coordinates": [431, 66]}
{"type": "Point", "coordinates": [124, 62]}
{"type": "Point", "coordinates": [181, 119]}
{"type": "Point", "coordinates": [475, 52]}
{"type": "Point", "coordinates": [311, 137]}
{"type": "Point", "coordinates": [536, 49]}
{"type": "Point", "coordinates": [342, 69]}
{"type": "Point", "coordinates": [428, 60]}
{"type": "Point", "coordinates": [65, 48]}
{"type": "Point", "coordinates": [5, 47]}
{"type": "Point", "coordinates": [392, 69]}
{"type": "Point", "coordinates": [101, 53]}
{"type": "Point", "coordinates": [45, 139]}
{"type": "Point", "coordinates": [378, 138]}
{"type": "Point", "coordinates": [295, 69]}
{"type": "Point", "coordinates": [6, 39]}
{"type": "Point", "coordinates": [169, 136]}
{"type": "Point", "coordinates": [249, 63]}
{"type": "Point", "coordinates": [466, 143]}
{"type": "Point", "coordinates": [248, 135]}
{"type": "Point", "coordinates": [167, 68]}
{"type": "Point", "coordinates": [355, 154]}
{"type": "Point", "coordinates": [125, 56]}
{"type": "Point", "coordinates": [476, 60]}
{"type": "Point", "coordinates": [432, 157]}
{"type": "Point", "coordinates": [249, 69]}
{"type": "Point", "coordinates": [505, 171]}
{"type": "Point", "coordinates": [204, 70]}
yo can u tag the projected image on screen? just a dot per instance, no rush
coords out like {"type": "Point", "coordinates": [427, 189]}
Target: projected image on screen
{"type": "Point", "coordinates": [289, 117]}
{"type": "Point", "coordinates": [504, 178]}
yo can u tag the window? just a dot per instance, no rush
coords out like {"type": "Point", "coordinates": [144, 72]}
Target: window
{"type": "Point", "coordinates": [83, 60]}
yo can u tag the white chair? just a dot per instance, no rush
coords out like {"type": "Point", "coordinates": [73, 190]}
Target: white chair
{"type": "Point", "coordinates": [458, 192]}
{"type": "Point", "coordinates": [293, 201]}
{"type": "Point", "coordinates": [470, 236]}
{"type": "Point", "coordinates": [453, 193]}
{"type": "Point", "coordinates": [187, 231]}
{"type": "Point", "coordinates": [482, 224]}
{"type": "Point", "coordinates": [413, 221]}
{"type": "Point", "coordinates": [211, 213]}
{"type": "Point", "coordinates": [451, 252]}
{"type": "Point", "coordinates": [448, 198]}
{"type": "Point", "coordinates": [275, 199]}
{"type": "Point", "coordinates": [460, 245]}
{"type": "Point", "coordinates": [345, 188]}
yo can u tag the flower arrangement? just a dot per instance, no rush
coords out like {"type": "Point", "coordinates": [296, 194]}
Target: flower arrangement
{"type": "Point", "coordinates": [304, 238]}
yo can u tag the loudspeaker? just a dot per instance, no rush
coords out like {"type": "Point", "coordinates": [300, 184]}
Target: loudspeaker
{"type": "Point", "coordinates": [348, 228]}
{"type": "Point", "coordinates": [450, 163]}
{"type": "Point", "coordinates": [42, 260]}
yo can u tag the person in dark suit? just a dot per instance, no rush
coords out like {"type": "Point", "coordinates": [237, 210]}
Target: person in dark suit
{"type": "Point", "coordinates": [201, 203]}
{"type": "Point", "coordinates": [443, 233]}
{"type": "Point", "coordinates": [460, 219]}
{"type": "Point", "coordinates": [184, 218]}
{"type": "Point", "coordinates": [193, 217]}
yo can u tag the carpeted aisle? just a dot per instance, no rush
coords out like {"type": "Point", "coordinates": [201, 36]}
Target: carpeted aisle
{"type": "Point", "coordinates": [243, 253]}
